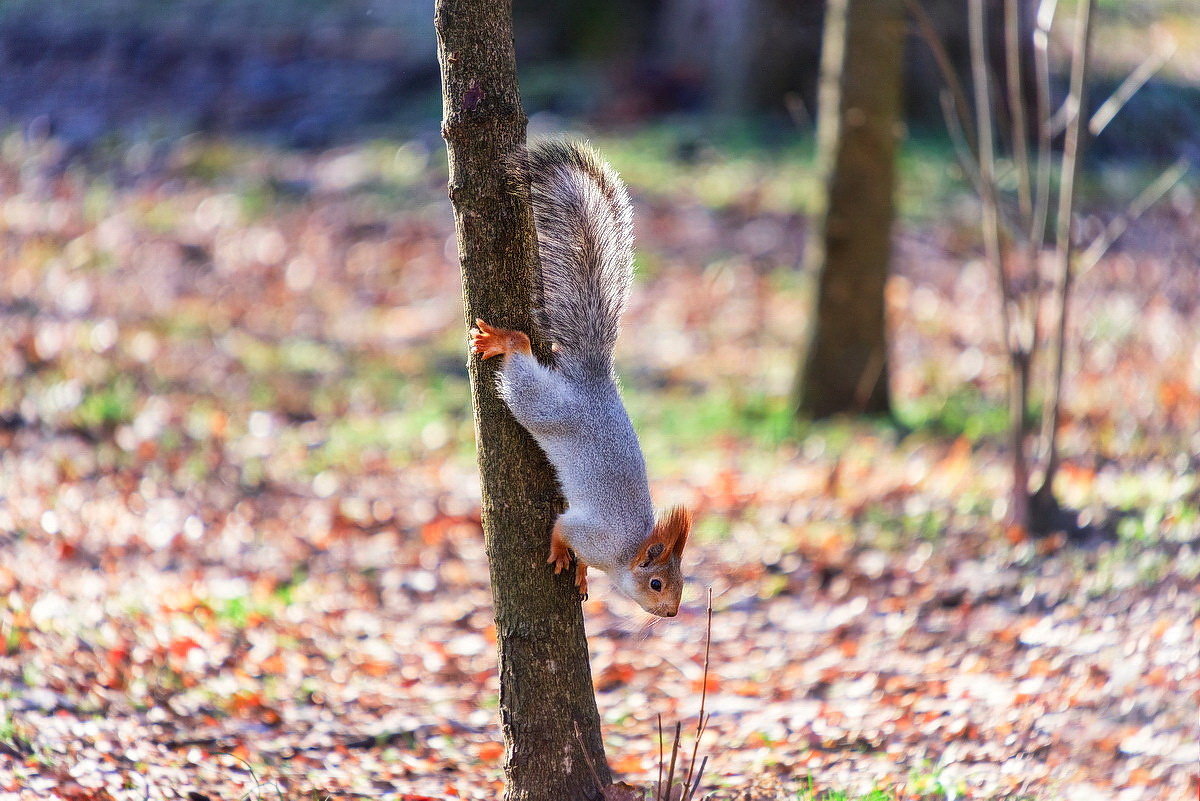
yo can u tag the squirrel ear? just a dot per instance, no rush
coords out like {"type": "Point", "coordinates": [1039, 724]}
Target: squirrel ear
{"type": "Point", "coordinates": [652, 551]}
{"type": "Point", "coordinates": [673, 529]}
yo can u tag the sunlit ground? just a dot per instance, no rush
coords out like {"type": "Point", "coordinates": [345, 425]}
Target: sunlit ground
{"type": "Point", "coordinates": [240, 508]}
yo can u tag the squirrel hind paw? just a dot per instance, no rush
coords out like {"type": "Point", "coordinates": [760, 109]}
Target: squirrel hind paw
{"type": "Point", "coordinates": [489, 341]}
{"type": "Point", "coordinates": [581, 582]}
{"type": "Point", "coordinates": [560, 555]}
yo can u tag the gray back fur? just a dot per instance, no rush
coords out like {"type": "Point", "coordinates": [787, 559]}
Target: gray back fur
{"type": "Point", "coordinates": [585, 241]}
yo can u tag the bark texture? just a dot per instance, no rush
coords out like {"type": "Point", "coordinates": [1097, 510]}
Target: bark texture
{"type": "Point", "coordinates": [545, 675]}
{"type": "Point", "coordinates": [844, 367]}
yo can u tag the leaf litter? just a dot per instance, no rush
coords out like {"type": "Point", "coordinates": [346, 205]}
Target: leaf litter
{"type": "Point", "coordinates": [241, 547]}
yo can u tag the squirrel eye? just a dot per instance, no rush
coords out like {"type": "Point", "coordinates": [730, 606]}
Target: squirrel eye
{"type": "Point", "coordinates": [655, 585]}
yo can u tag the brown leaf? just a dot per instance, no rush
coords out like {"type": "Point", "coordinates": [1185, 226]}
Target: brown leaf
{"type": "Point", "coordinates": [623, 792]}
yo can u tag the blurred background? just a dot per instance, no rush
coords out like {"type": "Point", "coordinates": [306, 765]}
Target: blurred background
{"type": "Point", "coordinates": [313, 73]}
{"type": "Point", "coordinates": [239, 538]}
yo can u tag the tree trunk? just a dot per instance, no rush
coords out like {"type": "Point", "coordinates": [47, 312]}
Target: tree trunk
{"type": "Point", "coordinates": [844, 367]}
{"type": "Point", "coordinates": [545, 676]}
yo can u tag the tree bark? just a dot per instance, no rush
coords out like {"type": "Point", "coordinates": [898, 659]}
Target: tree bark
{"type": "Point", "coordinates": [844, 365]}
{"type": "Point", "coordinates": [545, 675]}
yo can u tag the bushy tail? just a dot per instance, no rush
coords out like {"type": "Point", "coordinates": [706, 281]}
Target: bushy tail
{"type": "Point", "coordinates": [585, 241]}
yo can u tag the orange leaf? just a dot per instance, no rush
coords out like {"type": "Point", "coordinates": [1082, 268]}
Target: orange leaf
{"type": "Point", "coordinates": [630, 763]}
{"type": "Point", "coordinates": [490, 752]}
{"type": "Point", "coordinates": [180, 647]}
{"type": "Point", "coordinates": [1140, 776]}
{"type": "Point", "coordinates": [614, 676]}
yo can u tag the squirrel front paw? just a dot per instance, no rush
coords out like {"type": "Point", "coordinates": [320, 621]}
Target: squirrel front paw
{"type": "Point", "coordinates": [560, 557]}
{"type": "Point", "coordinates": [489, 341]}
{"type": "Point", "coordinates": [560, 553]}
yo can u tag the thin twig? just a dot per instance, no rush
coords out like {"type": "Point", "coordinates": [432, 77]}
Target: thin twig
{"type": "Point", "coordinates": [1072, 153]}
{"type": "Point", "coordinates": [1041, 193]}
{"type": "Point", "coordinates": [703, 692]}
{"type": "Point", "coordinates": [1016, 105]}
{"type": "Point", "coordinates": [1119, 224]}
{"type": "Point", "coordinates": [1129, 87]}
{"type": "Point", "coordinates": [954, 105]}
{"type": "Point", "coordinates": [987, 163]}
{"type": "Point", "coordinates": [928, 31]}
{"type": "Point", "coordinates": [966, 159]}
{"type": "Point", "coordinates": [586, 757]}
{"type": "Point", "coordinates": [1041, 59]}
{"type": "Point", "coordinates": [674, 756]}
{"type": "Point", "coordinates": [1028, 305]}
{"type": "Point", "coordinates": [660, 756]}
{"type": "Point", "coordinates": [962, 148]}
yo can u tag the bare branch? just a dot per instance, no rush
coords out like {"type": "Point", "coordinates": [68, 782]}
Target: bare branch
{"type": "Point", "coordinates": [1045, 15]}
{"type": "Point", "coordinates": [1041, 57]}
{"type": "Point", "coordinates": [958, 137]}
{"type": "Point", "coordinates": [659, 794]}
{"type": "Point", "coordinates": [928, 32]}
{"type": "Point", "coordinates": [1165, 182]}
{"type": "Point", "coordinates": [1072, 153]}
{"type": "Point", "coordinates": [1129, 87]}
{"type": "Point", "coordinates": [1016, 105]}
{"type": "Point", "coordinates": [987, 163]}
{"type": "Point", "coordinates": [966, 160]}
{"type": "Point", "coordinates": [674, 756]}
{"type": "Point", "coordinates": [587, 757]}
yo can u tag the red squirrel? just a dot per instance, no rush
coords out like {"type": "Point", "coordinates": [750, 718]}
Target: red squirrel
{"type": "Point", "coordinates": [573, 407]}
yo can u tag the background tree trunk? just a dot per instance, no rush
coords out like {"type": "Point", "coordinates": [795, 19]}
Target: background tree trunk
{"type": "Point", "coordinates": [844, 367]}
{"type": "Point", "coordinates": [545, 676]}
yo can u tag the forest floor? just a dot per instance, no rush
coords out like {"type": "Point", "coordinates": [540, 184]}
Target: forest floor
{"type": "Point", "coordinates": [241, 555]}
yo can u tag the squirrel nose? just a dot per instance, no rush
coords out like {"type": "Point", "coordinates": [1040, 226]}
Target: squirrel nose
{"type": "Point", "coordinates": [672, 613]}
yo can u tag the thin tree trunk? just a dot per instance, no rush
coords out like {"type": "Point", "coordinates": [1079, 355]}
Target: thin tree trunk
{"type": "Point", "coordinates": [844, 367]}
{"type": "Point", "coordinates": [545, 676]}
{"type": "Point", "coordinates": [1073, 146]}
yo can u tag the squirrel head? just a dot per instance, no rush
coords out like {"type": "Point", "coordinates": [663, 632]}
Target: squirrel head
{"type": "Point", "coordinates": [654, 578]}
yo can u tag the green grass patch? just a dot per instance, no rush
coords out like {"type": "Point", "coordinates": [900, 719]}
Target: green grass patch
{"type": "Point", "coordinates": [107, 406]}
{"type": "Point", "coordinates": [965, 412]}
{"type": "Point", "coordinates": [430, 418]}
{"type": "Point", "coordinates": [671, 421]}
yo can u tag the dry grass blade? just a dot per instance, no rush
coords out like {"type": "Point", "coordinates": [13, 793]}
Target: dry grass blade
{"type": "Point", "coordinates": [691, 793]}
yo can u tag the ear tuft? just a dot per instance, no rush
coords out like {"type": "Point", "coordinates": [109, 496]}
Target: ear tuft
{"type": "Point", "coordinates": [673, 528]}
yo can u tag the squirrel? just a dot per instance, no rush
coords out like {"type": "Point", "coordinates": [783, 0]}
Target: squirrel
{"type": "Point", "coordinates": [573, 407]}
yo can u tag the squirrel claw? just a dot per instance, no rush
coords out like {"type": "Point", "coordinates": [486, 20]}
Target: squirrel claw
{"type": "Point", "coordinates": [560, 562]}
{"type": "Point", "coordinates": [581, 583]}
